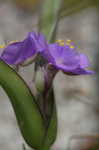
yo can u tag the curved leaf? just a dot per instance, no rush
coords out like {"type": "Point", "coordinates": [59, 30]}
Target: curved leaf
{"type": "Point", "coordinates": [27, 113]}
{"type": "Point", "coordinates": [73, 6]}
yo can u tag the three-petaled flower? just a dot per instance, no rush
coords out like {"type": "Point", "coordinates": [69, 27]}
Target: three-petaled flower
{"type": "Point", "coordinates": [62, 56]}
{"type": "Point", "coordinates": [67, 59]}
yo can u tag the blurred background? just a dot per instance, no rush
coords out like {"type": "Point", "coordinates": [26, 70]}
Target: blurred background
{"type": "Point", "coordinates": [76, 96]}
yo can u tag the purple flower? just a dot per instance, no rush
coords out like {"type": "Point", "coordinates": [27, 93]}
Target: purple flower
{"type": "Point", "coordinates": [66, 58]}
{"type": "Point", "coordinates": [18, 52]}
{"type": "Point", "coordinates": [62, 56]}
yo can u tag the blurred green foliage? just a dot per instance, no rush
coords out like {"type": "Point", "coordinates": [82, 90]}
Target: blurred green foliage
{"type": "Point", "coordinates": [49, 18]}
{"type": "Point", "coordinates": [69, 6]}
{"type": "Point", "coordinates": [73, 6]}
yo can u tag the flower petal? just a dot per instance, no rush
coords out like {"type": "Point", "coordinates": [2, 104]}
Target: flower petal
{"type": "Point", "coordinates": [80, 71]}
{"type": "Point", "coordinates": [10, 53]}
{"type": "Point", "coordinates": [84, 62]}
{"type": "Point", "coordinates": [39, 41]}
{"type": "Point", "coordinates": [18, 52]}
{"type": "Point", "coordinates": [62, 57]}
{"type": "Point", "coordinates": [67, 59]}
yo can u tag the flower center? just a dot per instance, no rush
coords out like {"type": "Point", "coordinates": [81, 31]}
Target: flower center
{"type": "Point", "coordinates": [68, 43]}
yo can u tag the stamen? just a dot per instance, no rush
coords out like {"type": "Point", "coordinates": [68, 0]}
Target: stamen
{"type": "Point", "coordinates": [71, 46]}
{"type": "Point", "coordinates": [60, 42]}
{"type": "Point", "coordinates": [2, 46]}
{"type": "Point", "coordinates": [68, 41]}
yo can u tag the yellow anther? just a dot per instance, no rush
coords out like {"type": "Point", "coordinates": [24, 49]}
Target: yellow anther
{"type": "Point", "coordinates": [2, 46]}
{"type": "Point", "coordinates": [61, 43]}
{"type": "Point", "coordinates": [68, 41]}
{"type": "Point", "coordinates": [72, 46]}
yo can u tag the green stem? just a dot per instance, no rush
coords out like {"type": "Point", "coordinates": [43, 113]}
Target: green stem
{"type": "Point", "coordinates": [48, 25]}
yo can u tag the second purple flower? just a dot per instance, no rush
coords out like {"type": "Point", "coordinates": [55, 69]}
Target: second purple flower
{"type": "Point", "coordinates": [64, 57]}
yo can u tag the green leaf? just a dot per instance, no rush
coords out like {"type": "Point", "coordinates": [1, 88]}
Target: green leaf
{"type": "Point", "coordinates": [73, 6]}
{"type": "Point", "coordinates": [27, 113]}
{"type": "Point", "coordinates": [49, 19]}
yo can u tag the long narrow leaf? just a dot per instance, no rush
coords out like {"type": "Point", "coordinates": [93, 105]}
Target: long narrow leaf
{"type": "Point", "coordinates": [49, 17]}
{"type": "Point", "coordinates": [26, 110]}
{"type": "Point", "coordinates": [73, 6]}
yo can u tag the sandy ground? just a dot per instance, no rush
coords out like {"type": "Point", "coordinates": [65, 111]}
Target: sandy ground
{"type": "Point", "coordinates": [76, 98]}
